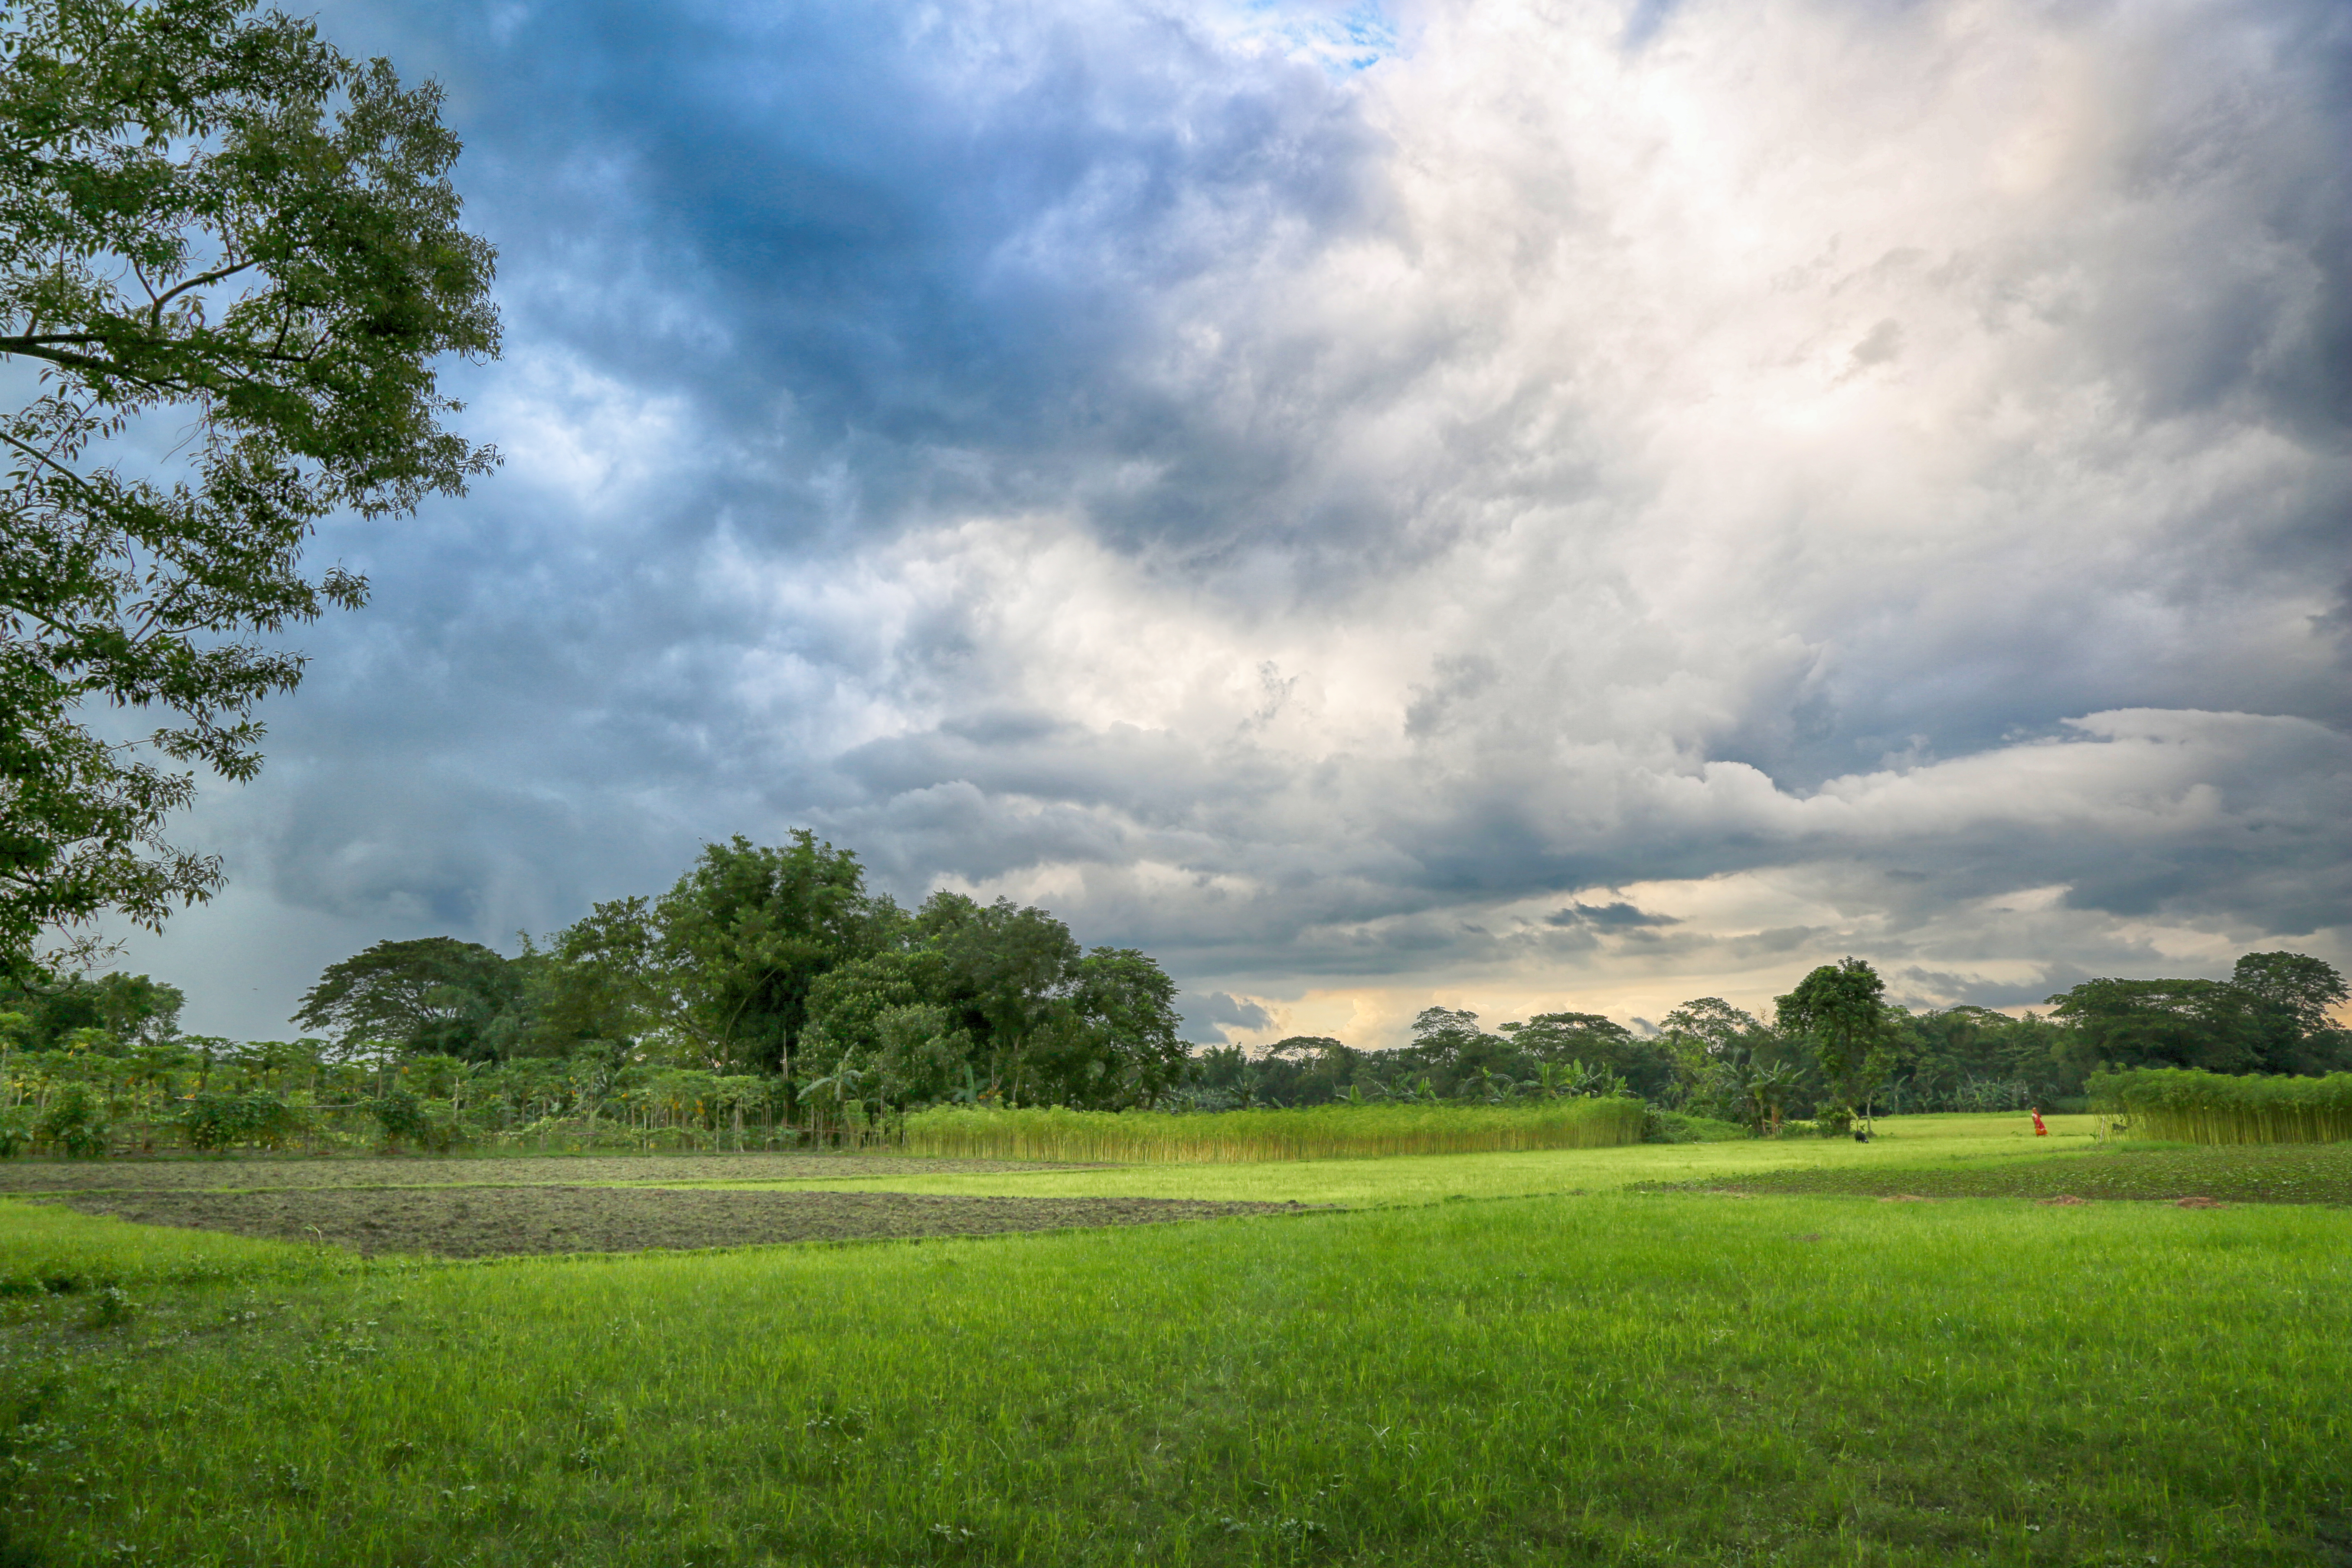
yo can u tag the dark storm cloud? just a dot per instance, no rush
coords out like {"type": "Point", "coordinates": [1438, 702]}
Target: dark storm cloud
{"type": "Point", "coordinates": [1312, 522]}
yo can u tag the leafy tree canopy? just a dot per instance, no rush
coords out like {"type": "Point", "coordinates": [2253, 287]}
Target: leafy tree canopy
{"type": "Point", "coordinates": [130, 1010]}
{"type": "Point", "coordinates": [2272, 1016]}
{"type": "Point", "coordinates": [211, 222]}
{"type": "Point", "coordinates": [1841, 1009]}
{"type": "Point", "coordinates": [2305, 990]}
{"type": "Point", "coordinates": [436, 995]}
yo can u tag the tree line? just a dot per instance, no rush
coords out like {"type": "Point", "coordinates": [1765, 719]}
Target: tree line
{"type": "Point", "coordinates": [770, 996]}
{"type": "Point", "coordinates": [1833, 1045]}
{"type": "Point", "coordinates": [778, 962]}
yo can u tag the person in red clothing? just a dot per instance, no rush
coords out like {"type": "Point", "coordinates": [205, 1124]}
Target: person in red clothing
{"type": "Point", "coordinates": [2039, 1130]}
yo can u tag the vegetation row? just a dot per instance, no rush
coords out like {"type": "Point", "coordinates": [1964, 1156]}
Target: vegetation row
{"type": "Point", "coordinates": [770, 1000]}
{"type": "Point", "coordinates": [1330, 1131]}
{"type": "Point", "coordinates": [2193, 1107]}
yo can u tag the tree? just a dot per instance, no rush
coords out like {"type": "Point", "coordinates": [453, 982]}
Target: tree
{"type": "Point", "coordinates": [1121, 1046]}
{"type": "Point", "coordinates": [1597, 1041]}
{"type": "Point", "coordinates": [2299, 994]}
{"type": "Point", "coordinates": [214, 225]}
{"type": "Point", "coordinates": [436, 995]}
{"type": "Point", "coordinates": [1841, 1009]}
{"type": "Point", "coordinates": [747, 933]}
{"type": "Point", "coordinates": [130, 1009]}
{"type": "Point", "coordinates": [2208, 1024]}
{"type": "Point", "coordinates": [1712, 1043]}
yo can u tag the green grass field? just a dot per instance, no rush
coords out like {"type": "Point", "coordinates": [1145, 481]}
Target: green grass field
{"type": "Point", "coordinates": [1911, 1141]}
{"type": "Point", "coordinates": [1618, 1377]}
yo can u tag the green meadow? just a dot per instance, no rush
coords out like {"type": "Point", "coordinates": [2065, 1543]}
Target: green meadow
{"type": "Point", "coordinates": [1480, 1358]}
{"type": "Point", "coordinates": [1911, 1141]}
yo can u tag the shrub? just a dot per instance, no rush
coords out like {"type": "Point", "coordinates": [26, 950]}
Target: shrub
{"type": "Point", "coordinates": [2192, 1106]}
{"type": "Point", "coordinates": [216, 1119]}
{"type": "Point", "coordinates": [1677, 1127]}
{"type": "Point", "coordinates": [75, 1124]}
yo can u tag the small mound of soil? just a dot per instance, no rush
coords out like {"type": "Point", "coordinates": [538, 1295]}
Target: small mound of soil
{"type": "Point", "coordinates": [2198, 1203]}
{"type": "Point", "coordinates": [2063, 1201]}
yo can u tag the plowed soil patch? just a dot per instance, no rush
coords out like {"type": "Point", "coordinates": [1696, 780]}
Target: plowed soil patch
{"type": "Point", "coordinates": [503, 1170]}
{"type": "Point", "coordinates": [502, 1221]}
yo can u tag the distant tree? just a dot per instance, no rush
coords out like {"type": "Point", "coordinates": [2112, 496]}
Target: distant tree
{"type": "Point", "coordinates": [1003, 992]}
{"type": "Point", "coordinates": [132, 1011]}
{"type": "Point", "coordinates": [434, 994]}
{"type": "Point", "coordinates": [1302, 1047]}
{"type": "Point", "coordinates": [1713, 1045]}
{"type": "Point", "coordinates": [2208, 1024]}
{"type": "Point", "coordinates": [2299, 994]}
{"type": "Point", "coordinates": [1121, 1048]}
{"type": "Point", "coordinates": [746, 933]}
{"type": "Point", "coordinates": [1841, 1009]}
{"type": "Point", "coordinates": [2306, 989]}
{"type": "Point", "coordinates": [1646, 1066]}
{"type": "Point", "coordinates": [216, 227]}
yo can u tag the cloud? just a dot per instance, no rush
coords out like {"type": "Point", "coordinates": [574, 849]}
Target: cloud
{"type": "Point", "coordinates": [1217, 1016]}
{"type": "Point", "coordinates": [1616, 916]}
{"type": "Point", "coordinates": [1523, 506]}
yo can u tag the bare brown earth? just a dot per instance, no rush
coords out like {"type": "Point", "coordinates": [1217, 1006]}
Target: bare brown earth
{"type": "Point", "coordinates": [496, 1170]}
{"type": "Point", "coordinates": [489, 1222]}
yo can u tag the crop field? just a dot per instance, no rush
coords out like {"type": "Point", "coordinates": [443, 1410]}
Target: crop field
{"type": "Point", "coordinates": [491, 1222]}
{"type": "Point", "coordinates": [1598, 1374]}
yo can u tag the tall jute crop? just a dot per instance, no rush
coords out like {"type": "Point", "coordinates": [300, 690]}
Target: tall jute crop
{"type": "Point", "coordinates": [2196, 1107]}
{"type": "Point", "coordinates": [1313, 1132]}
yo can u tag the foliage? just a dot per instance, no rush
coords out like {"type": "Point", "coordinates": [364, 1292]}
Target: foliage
{"type": "Point", "coordinates": [1322, 1133]}
{"type": "Point", "coordinates": [1841, 1009]}
{"type": "Point", "coordinates": [2272, 1016]}
{"type": "Point", "coordinates": [216, 1119]}
{"type": "Point", "coordinates": [215, 224]}
{"type": "Point", "coordinates": [2192, 1105]}
{"type": "Point", "coordinates": [1674, 1126]}
{"type": "Point", "coordinates": [75, 1124]}
{"type": "Point", "coordinates": [752, 929]}
{"type": "Point", "coordinates": [1451, 1058]}
{"type": "Point", "coordinates": [433, 995]}
{"type": "Point", "coordinates": [130, 1009]}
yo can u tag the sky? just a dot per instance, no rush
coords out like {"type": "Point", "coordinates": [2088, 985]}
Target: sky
{"type": "Point", "coordinates": [1508, 504]}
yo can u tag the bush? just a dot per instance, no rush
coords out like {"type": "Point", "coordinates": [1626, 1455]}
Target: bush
{"type": "Point", "coordinates": [403, 1118]}
{"type": "Point", "coordinates": [75, 1124]}
{"type": "Point", "coordinates": [1677, 1127]}
{"type": "Point", "coordinates": [2196, 1107]}
{"type": "Point", "coordinates": [215, 1119]}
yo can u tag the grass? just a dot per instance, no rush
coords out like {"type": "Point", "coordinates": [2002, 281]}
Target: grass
{"type": "Point", "coordinates": [47, 1249]}
{"type": "Point", "coordinates": [1907, 1142]}
{"type": "Point", "coordinates": [1628, 1379]}
{"type": "Point", "coordinates": [1314, 1132]}
{"type": "Point", "coordinates": [1623, 1378]}
{"type": "Point", "coordinates": [2279, 1174]}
